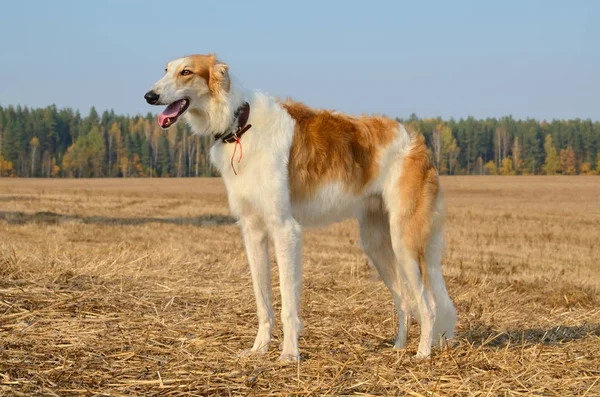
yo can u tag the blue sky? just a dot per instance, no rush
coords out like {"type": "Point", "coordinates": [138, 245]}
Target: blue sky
{"type": "Point", "coordinates": [435, 58]}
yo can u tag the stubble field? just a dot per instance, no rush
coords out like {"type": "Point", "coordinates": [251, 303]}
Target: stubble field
{"type": "Point", "coordinates": [140, 287]}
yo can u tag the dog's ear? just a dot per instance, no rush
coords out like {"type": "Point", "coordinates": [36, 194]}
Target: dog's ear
{"type": "Point", "coordinates": [219, 77]}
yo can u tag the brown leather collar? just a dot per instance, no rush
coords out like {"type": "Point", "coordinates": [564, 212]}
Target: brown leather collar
{"type": "Point", "coordinates": [241, 115]}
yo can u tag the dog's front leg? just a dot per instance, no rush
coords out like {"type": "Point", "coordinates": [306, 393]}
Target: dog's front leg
{"type": "Point", "coordinates": [287, 238]}
{"type": "Point", "coordinates": [257, 250]}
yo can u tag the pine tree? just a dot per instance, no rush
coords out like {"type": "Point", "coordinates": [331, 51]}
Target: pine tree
{"type": "Point", "coordinates": [89, 122]}
{"type": "Point", "coordinates": [10, 143]}
{"type": "Point", "coordinates": [147, 158]}
{"type": "Point", "coordinates": [163, 164]}
{"type": "Point", "coordinates": [50, 123]}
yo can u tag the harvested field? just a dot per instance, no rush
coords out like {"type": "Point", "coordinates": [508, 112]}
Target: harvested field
{"type": "Point", "coordinates": [140, 287]}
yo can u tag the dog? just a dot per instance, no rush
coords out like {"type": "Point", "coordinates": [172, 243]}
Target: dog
{"type": "Point", "coordinates": [286, 166]}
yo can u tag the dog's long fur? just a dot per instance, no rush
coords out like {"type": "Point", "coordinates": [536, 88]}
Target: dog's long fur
{"type": "Point", "coordinates": [305, 167]}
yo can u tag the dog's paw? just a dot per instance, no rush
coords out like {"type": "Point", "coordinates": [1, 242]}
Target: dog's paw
{"type": "Point", "coordinates": [252, 352]}
{"type": "Point", "coordinates": [245, 353]}
{"type": "Point", "coordinates": [420, 356]}
{"type": "Point", "coordinates": [289, 358]}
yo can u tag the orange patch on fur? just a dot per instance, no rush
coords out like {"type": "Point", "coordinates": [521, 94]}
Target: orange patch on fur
{"type": "Point", "coordinates": [208, 68]}
{"type": "Point", "coordinates": [330, 147]}
{"type": "Point", "coordinates": [419, 188]}
{"type": "Point", "coordinates": [202, 65]}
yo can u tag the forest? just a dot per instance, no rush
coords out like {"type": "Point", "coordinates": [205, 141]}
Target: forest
{"type": "Point", "coordinates": [51, 142]}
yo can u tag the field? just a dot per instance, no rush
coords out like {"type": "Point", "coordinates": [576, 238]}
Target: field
{"type": "Point", "coordinates": [140, 287]}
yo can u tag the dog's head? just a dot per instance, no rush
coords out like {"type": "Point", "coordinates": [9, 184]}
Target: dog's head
{"type": "Point", "coordinates": [192, 83]}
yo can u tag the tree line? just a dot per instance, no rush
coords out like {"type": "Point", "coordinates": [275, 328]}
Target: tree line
{"type": "Point", "coordinates": [52, 142]}
{"type": "Point", "coordinates": [507, 146]}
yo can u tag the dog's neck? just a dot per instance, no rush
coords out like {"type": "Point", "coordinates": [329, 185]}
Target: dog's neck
{"type": "Point", "coordinates": [239, 127]}
{"type": "Point", "coordinates": [217, 116]}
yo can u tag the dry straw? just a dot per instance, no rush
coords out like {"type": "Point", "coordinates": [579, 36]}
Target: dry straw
{"type": "Point", "coordinates": [94, 304]}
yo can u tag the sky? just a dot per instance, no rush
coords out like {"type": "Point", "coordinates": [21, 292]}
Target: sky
{"type": "Point", "coordinates": [524, 58]}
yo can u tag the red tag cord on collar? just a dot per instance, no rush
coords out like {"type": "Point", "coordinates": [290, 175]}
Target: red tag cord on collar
{"type": "Point", "coordinates": [237, 142]}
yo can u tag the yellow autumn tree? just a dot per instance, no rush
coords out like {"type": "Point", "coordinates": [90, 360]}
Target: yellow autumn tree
{"type": "Point", "coordinates": [507, 166]}
{"type": "Point", "coordinates": [137, 164]}
{"type": "Point", "coordinates": [6, 167]}
{"type": "Point", "coordinates": [55, 170]}
{"type": "Point", "coordinates": [490, 168]}
{"type": "Point", "coordinates": [586, 169]}
{"type": "Point", "coordinates": [568, 161]}
{"type": "Point", "coordinates": [552, 164]}
{"type": "Point", "coordinates": [124, 162]}
{"type": "Point", "coordinates": [68, 162]}
{"type": "Point", "coordinates": [445, 149]}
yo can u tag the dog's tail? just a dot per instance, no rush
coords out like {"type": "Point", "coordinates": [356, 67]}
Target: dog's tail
{"type": "Point", "coordinates": [419, 188]}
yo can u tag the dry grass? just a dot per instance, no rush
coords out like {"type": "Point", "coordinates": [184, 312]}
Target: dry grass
{"type": "Point", "coordinates": [140, 287]}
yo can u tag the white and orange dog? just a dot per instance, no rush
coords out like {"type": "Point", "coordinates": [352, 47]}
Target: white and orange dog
{"type": "Point", "coordinates": [307, 167]}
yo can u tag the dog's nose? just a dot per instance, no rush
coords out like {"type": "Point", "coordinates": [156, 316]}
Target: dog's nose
{"type": "Point", "coordinates": [151, 97]}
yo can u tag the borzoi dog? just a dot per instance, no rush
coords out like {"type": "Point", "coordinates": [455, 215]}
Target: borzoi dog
{"type": "Point", "coordinates": [307, 167]}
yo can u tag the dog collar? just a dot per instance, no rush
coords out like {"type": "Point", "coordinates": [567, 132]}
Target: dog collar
{"type": "Point", "coordinates": [241, 115]}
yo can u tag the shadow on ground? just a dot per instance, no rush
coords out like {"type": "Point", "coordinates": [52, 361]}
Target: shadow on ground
{"type": "Point", "coordinates": [550, 336]}
{"type": "Point", "coordinates": [52, 218]}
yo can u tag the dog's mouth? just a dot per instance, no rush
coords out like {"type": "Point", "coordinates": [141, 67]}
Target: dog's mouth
{"type": "Point", "coordinates": [170, 115]}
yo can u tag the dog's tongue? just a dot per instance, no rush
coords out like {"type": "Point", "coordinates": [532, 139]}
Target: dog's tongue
{"type": "Point", "coordinates": [171, 112]}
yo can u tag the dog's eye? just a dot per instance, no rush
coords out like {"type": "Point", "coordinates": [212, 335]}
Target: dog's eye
{"type": "Point", "coordinates": [186, 72]}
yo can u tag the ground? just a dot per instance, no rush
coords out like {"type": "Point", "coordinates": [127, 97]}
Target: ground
{"type": "Point", "coordinates": [140, 287]}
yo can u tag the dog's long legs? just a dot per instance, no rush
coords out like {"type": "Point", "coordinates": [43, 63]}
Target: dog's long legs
{"type": "Point", "coordinates": [420, 291]}
{"type": "Point", "coordinates": [257, 250]}
{"type": "Point", "coordinates": [376, 242]}
{"type": "Point", "coordinates": [287, 238]}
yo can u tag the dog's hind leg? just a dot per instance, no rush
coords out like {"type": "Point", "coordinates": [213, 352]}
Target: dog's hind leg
{"type": "Point", "coordinates": [410, 264]}
{"type": "Point", "coordinates": [445, 320]}
{"type": "Point", "coordinates": [377, 244]}
{"type": "Point", "coordinates": [257, 249]}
